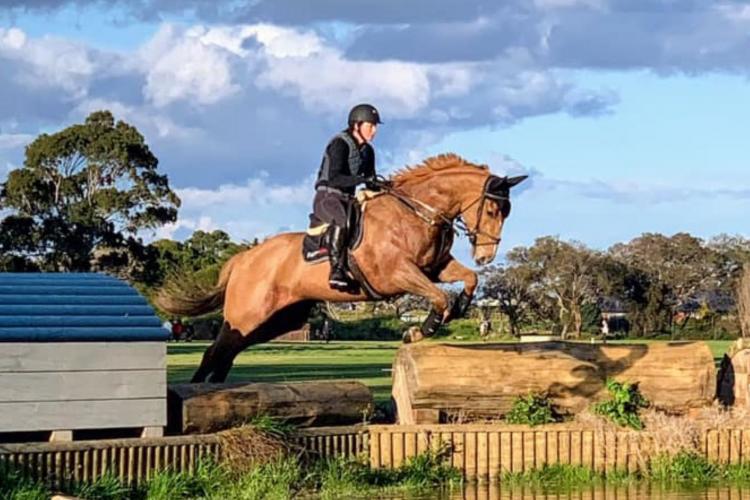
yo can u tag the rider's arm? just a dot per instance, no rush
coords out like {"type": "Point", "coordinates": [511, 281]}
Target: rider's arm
{"type": "Point", "coordinates": [368, 167]}
{"type": "Point", "coordinates": [340, 176]}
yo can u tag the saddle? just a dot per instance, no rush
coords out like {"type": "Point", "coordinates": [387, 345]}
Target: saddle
{"type": "Point", "coordinates": [313, 250]}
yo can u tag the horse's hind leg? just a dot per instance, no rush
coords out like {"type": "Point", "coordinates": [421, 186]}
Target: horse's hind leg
{"type": "Point", "coordinates": [231, 342]}
{"type": "Point", "coordinates": [227, 346]}
{"type": "Point", "coordinates": [206, 365]}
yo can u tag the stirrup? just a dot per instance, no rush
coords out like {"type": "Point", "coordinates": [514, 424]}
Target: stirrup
{"type": "Point", "coordinates": [339, 282]}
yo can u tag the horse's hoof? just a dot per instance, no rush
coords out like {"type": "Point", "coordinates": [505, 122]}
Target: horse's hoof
{"type": "Point", "coordinates": [413, 335]}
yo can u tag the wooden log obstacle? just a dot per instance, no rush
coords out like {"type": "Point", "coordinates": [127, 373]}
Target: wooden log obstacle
{"type": "Point", "coordinates": [433, 382]}
{"type": "Point", "coordinates": [79, 351]}
{"type": "Point", "coordinates": [202, 408]}
{"type": "Point", "coordinates": [734, 375]}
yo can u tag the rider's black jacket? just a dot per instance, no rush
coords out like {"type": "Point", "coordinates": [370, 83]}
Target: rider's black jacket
{"type": "Point", "coordinates": [343, 168]}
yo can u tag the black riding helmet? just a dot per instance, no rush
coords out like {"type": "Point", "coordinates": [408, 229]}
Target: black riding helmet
{"type": "Point", "coordinates": [364, 113]}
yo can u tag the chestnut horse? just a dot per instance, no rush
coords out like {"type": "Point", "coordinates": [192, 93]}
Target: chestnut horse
{"type": "Point", "coordinates": [268, 290]}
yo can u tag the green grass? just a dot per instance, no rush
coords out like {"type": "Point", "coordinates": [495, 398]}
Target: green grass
{"type": "Point", "coordinates": [366, 361]}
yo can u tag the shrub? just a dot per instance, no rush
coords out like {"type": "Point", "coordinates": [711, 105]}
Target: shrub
{"type": "Point", "coordinates": [624, 406]}
{"type": "Point", "coordinates": [532, 409]}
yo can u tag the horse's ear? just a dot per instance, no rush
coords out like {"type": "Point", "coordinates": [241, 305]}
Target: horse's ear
{"type": "Point", "coordinates": [512, 181]}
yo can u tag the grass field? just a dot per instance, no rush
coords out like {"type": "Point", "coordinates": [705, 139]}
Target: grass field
{"type": "Point", "coordinates": [366, 361]}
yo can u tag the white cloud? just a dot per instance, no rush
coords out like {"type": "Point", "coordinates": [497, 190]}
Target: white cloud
{"type": "Point", "coordinates": [186, 65]}
{"type": "Point", "coordinates": [12, 141]}
{"type": "Point", "coordinates": [48, 61]}
{"type": "Point", "coordinates": [150, 123]}
{"type": "Point", "coordinates": [256, 208]}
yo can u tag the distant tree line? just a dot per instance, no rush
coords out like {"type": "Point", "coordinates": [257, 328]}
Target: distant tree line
{"type": "Point", "coordinates": [658, 281]}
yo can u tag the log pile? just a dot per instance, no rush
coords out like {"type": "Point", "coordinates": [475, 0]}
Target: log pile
{"type": "Point", "coordinates": [432, 381]}
{"type": "Point", "coordinates": [203, 408]}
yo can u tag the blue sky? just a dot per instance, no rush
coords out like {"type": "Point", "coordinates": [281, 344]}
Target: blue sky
{"type": "Point", "coordinates": [630, 117]}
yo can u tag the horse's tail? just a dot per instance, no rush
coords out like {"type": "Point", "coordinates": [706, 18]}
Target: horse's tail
{"type": "Point", "coordinates": [185, 297]}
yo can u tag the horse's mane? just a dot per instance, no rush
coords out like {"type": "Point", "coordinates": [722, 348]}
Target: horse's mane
{"type": "Point", "coordinates": [431, 166]}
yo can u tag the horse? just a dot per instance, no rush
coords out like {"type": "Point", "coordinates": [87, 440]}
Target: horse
{"type": "Point", "coordinates": [407, 234]}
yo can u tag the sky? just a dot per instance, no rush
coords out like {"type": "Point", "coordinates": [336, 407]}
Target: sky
{"type": "Point", "coordinates": [629, 116]}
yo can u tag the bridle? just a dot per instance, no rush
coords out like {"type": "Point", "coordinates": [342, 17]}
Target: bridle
{"type": "Point", "coordinates": [499, 195]}
{"type": "Point", "coordinates": [493, 189]}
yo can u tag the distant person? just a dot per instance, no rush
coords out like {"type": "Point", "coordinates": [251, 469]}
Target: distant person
{"type": "Point", "coordinates": [326, 330]}
{"type": "Point", "coordinates": [177, 329]}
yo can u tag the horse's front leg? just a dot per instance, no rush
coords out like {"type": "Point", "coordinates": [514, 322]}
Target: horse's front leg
{"type": "Point", "coordinates": [410, 279]}
{"type": "Point", "coordinates": [452, 272]}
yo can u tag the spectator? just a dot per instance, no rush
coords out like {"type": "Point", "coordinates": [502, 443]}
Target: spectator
{"type": "Point", "coordinates": [177, 329]}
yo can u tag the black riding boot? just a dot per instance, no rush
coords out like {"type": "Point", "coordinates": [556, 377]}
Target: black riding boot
{"type": "Point", "coordinates": [336, 248]}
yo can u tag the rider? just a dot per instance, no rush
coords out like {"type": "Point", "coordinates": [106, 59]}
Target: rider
{"type": "Point", "coordinates": [349, 160]}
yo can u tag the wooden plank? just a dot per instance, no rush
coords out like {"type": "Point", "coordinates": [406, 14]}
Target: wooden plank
{"type": "Point", "coordinates": [470, 454]}
{"type": "Point", "coordinates": [540, 449]}
{"type": "Point", "coordinates": [724, 444]}
{"type": "Point", "coordinates": [494, 455]}
{"type": "Point", "coordinates": [516, 440]}
{"type": "Point", "coordinates": [576, 448]}
{"type": "Point", "coordinates": [483, 456]}
{"type": "Point", "coordinates": [553, 450]}
{"type": "Point", "coordinates": [398, 448]}
{"type": "Point", "coordinates": [108, 289]}
{"type": "Point", "coordinates": [83, 334]}
{"type": "Point", "coordinates": [745, 446]}
{"type": "Point", "coordinates": [506, 452]}
{"type": "Point", "coordinates": [621, 455]}
{"type": "Point", "coordinates": [410, 444]}
{"type": "Point", "coordinates": [563, 447]}
{"type": "Point", "coordinates": [114, 322]}
{"type": "Point", "coordinates": [423, 441]}
{"type": "Point", "coordinates": [386, 453]}
{"type": "Point", "coordinates": [587, 448]}
{"type": "Point", "coordinates": [67, 386]}
{"type": "Point", "coordinates": [712, 445]}
{"type": "Point", "coordinates": [112, 300]}
{"type": "Point", "coordinates": [458, 456]}
{"type": "Point", "coordinates": [16, 417]}
{"type": "Point", "coordinates": [74, 356]}
{"type": "Point", "coordinates": [76, 310]}
{"type": "Point", "coordinates": [529, 450]}
{"type": "Point", "coordinates": [735, 446]}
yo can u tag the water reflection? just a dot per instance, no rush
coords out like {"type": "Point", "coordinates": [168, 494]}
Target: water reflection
{"type": "Point", "coordinates": [603, 492]}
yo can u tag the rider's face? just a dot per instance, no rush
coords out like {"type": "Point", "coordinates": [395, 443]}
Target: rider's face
{"type": "Point", "coordinates": [367, 131]}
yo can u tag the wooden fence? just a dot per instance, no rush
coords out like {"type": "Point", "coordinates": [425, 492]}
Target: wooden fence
{"type": "Point", "coordinates": [60, 465]}
{"type": "Point", "coordinates": [481, 452]}
{"type": "Point", "coordinates": [484, 452]}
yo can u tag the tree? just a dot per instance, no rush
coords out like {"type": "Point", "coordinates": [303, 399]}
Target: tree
{"type": "Point", "coordinates": [508, 287]}
{"type": "Point", "coordinates": [560, 272]}
{"type": "Point", "coordinates": [743, 300]}
{"type": "Point", "coordinates": [678, 268]}
{"type": "Point", "coordinates": [91, 186]}
{"type": "Point", "coordinates": [197, 260]}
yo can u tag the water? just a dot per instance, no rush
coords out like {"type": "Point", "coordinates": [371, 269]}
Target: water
{"type": "Point", "coordinates": [603, 492]}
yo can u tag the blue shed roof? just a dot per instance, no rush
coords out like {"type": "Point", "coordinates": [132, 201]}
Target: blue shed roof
{"type": "Point", "coordinates": [73, 307]}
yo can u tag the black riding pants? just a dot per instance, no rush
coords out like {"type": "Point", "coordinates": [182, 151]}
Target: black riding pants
{"type": "Point", "coordinates": [330, 208]}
